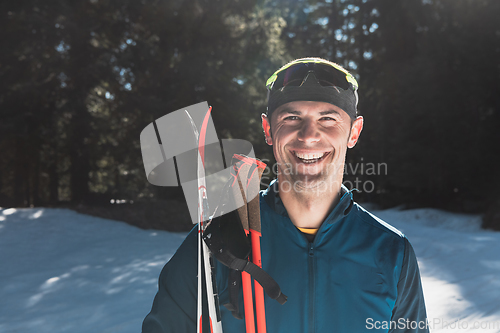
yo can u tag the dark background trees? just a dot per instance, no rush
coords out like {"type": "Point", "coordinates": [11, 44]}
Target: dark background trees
{"type": "Point", "coordinates": [80, 80]}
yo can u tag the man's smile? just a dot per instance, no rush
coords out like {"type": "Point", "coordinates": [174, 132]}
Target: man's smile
{"type": "Point", "coordinates": [309, 157]}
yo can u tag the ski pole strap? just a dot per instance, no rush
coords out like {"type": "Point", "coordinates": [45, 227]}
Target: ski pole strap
{"type": "Point", "coordinates": [270, 286]}
{"type": "Point", "coordinates": [234, 285]}
{"type": "Point", "coordinates": [227, 241]}
{"type": "Point", "coordinates": [265, 280]}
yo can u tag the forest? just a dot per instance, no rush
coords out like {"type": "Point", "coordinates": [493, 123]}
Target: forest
{"type": "Point", "coordinates": [80, 80]}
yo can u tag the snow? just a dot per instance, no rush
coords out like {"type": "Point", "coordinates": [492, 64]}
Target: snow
{"type": "Point", "coordinates": [460, 267]}
{"type": "Point", "coordinates": [67, 272]}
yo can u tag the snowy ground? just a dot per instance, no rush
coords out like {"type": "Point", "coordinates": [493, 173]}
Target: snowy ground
{"type": "Point", "coordinates": [460, 268]}
{"type": "Point", "coordinates": [66, 272]}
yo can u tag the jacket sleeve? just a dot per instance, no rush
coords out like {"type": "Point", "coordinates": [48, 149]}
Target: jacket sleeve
{"type": "Point", "coordinates": [175, 304]}
{"type": "Point", "coordinates": [409, 311]}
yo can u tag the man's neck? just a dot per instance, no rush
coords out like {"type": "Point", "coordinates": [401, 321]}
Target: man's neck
{"type": "Point", "coordinates": [309, 208]}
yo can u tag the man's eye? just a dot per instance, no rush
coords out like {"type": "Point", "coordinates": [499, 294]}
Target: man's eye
{"type": "Point", "coordinates": [328, 118]}
{"type": "Point", "coordinates": [291, 118]}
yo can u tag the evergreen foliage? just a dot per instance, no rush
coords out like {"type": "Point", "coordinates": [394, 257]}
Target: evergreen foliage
{"type": "Point", "coordinates": [79, 81]}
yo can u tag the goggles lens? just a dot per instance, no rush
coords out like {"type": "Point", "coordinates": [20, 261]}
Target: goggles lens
{"type": "Point", "coordinates": [326, 74]}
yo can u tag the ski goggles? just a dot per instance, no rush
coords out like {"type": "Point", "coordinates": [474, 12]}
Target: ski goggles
{"type": "Point", "coordinates": [327, 74]}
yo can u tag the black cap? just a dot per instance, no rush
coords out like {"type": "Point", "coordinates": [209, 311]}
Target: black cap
{"type": "Point", "coordinates": [311, 90]}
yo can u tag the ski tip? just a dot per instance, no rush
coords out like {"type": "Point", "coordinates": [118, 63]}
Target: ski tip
{"type": "Point", "coordinates": [203, 133]}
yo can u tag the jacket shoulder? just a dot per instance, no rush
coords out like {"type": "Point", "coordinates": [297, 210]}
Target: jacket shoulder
{"type": "Point", "coordinates": [376, 222]}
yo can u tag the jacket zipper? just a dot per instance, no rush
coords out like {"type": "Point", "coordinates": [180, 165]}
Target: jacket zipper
{"type": "Point", "coordinates": [311, 287]}
{"type": "Point", "coordinates": [310, 263]}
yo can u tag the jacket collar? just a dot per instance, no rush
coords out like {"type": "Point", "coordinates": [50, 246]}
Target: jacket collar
{"type": "Point", "coordinates": [272, 198]}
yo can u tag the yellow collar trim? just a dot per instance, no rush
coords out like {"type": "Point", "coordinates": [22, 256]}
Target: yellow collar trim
{"type": "Point", "coordinates": [308, 231]}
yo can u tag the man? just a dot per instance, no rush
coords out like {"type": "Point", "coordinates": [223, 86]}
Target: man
{"type": "Point", "coordinates": [343, 269]}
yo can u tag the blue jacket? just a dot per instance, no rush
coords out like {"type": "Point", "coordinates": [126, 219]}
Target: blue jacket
{"type": "Point", "coordinates": [359, 274]}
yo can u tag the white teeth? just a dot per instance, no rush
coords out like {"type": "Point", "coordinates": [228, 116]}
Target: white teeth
{"type": "Point", "coordinates": [309, 156]}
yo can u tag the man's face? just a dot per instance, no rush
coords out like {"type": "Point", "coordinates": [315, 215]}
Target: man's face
{"type": "Point", "coordinates": [310, 140]}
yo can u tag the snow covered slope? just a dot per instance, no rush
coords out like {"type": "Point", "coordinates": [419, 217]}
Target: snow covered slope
{"type": "Point", "coordinates": [67, 272]}
{"type": "Point", "coordinates": [460, 268]}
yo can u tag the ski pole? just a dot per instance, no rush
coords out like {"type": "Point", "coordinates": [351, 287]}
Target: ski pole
{"type": "Point", "coordinates": [240, 174]}
{"type": "Point", "coordinates": [227, 235]}
{"type": "Point", "coordinates": [249, 172]}
{"type": "Point", "coordinates": [254, 176]}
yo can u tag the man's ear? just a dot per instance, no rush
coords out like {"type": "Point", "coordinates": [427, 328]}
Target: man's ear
{"type": "Point", "coordinates": [266, 126]}
{"type": "Point", "coordinates": [356, 128]}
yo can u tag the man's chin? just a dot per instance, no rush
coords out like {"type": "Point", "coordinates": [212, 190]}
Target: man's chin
{"type": "Point", "coordinates": [306, 183]}
{"type": "Point", "coordinates": [311, 171]}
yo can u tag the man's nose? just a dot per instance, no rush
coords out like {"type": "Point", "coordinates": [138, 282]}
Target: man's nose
{"type": "Point", "coordinates": [308, 132]}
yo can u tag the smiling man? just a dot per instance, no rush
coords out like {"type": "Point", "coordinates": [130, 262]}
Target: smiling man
{"type": "Point", "coordinates": [343, 269]}
{"type": "Point", "coordinates": [351, 272]}
{"type": "Point", "coordinates": [310, 140]}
